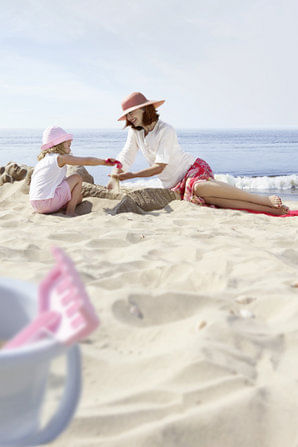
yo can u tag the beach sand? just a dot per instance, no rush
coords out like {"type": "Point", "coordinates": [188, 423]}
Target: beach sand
{"type": "Point", "coordinates": [198, 343]}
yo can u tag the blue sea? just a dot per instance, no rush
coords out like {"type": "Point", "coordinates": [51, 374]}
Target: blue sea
{"type": "Point", "coordinates": [263, 161]}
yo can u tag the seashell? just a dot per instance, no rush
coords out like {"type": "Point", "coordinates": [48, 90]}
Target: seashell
{"type": "Point", "coordinates": [245, 313]}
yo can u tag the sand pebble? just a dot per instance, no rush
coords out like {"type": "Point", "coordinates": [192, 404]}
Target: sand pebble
{"type": "Point", "coordinates": [202, 325]}
{"type": "Point", "coordinates": [134, 310]}
{"type": "Point", "coordinates": [244, 299]}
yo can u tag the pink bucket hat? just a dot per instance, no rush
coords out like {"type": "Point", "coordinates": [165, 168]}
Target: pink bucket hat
{"type": "Point", "coordinates": [54, 135]}
{"type": "Point", "coordinates": [135, 101]}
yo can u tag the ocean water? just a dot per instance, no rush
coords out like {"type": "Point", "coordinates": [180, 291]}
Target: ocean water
{"type": "Point", "coordinates": [263, 161]}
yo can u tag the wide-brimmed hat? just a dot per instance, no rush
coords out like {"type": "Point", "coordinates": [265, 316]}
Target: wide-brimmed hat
{"type": "Point", "coordinates": [54, 135]}
{"type": "Point", "coordinates": [136, 100]}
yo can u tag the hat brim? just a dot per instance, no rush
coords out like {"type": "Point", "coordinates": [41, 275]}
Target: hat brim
{"type": "Point", "coordinates": [58, 140]}
{"type": "Point", "coordinates": [147, 103]}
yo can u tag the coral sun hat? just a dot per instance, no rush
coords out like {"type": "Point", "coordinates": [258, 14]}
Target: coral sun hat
{"type": "Point", "coordinates": [54, 135]}
{"type": "Point", "coordinates": [135, 101]}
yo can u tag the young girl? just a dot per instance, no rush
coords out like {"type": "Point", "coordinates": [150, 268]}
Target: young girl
{"type": "Point", "coordinates": [50, 189]}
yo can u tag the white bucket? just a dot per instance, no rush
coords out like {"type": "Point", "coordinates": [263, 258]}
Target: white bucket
{"type": "Point", "coordinates": [24, 372]}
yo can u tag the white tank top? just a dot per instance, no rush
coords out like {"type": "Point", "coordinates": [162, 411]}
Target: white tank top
{"type": "Point", "coordinates": [46, 177]}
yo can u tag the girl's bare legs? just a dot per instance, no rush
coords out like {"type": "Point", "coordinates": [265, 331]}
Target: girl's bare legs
{"type": "Point", "coordinates": [75, 184]}
{"type": "Point", "coordinates": [223, 195]}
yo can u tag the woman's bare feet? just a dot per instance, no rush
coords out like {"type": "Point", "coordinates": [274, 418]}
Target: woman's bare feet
{"type": "Point", "coordinates": [279, 211]}
{"type": "Point", "coordinates": [275, 201]}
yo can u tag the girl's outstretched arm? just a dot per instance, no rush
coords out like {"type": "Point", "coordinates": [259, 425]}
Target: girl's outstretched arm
{"type": "Point", "coordinates": [82, 161]}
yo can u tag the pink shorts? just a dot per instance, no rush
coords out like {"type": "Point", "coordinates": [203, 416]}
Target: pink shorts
{"type": "Point", "coordinates": [61, 197]}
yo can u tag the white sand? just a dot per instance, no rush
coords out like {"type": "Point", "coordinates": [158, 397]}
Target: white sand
{"type": "Point", "coordinates": [198, 345]}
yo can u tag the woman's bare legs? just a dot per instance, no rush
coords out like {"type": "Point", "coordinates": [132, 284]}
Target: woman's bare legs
{"type": "Point", "coordinates": [75, 184]}
{"type": "Point", "coordinates": [238, 204]}
{"type": "Point", "coordinates": [223, 195]}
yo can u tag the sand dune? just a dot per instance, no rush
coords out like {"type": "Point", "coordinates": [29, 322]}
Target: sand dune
{"type": "Point", "coordinates": [199, 310]}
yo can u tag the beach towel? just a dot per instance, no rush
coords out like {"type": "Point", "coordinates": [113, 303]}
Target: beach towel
{"type": "Point", "coordinates": [290, 213]}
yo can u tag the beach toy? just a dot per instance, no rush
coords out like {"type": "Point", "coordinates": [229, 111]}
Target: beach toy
{"type": "Point", "coordinates": [45, 323]}
{"type": "Point", "coordinates": [24, 370]}
{"type": "Point", "coordinates": [114, 181]}
{"type": "Point", "coordinates": [115, 185]}
{"type": "Point", "coordinates": [65, 311]}
{"type": "Point", "coordinates": [117, 163]}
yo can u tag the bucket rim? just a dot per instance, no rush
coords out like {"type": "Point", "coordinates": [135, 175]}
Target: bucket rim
{"type": "Point", "coordinates": [43, 349]}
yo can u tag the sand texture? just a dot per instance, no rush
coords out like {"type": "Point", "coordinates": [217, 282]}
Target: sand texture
{"type": "Point", "coordinates": [198, 343]}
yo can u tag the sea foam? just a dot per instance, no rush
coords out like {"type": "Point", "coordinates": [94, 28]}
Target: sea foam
{"type": "Point", "coordinates": [282, 182]}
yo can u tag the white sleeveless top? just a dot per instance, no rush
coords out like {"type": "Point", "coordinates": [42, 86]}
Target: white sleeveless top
{"type": "Point", "coordinates": [47, 175]}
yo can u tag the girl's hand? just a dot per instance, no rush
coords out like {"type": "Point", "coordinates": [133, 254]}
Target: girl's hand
{"type": "Point", "coordinates": [112, 162]}
{"type": "Point", "coordinates": [123, 176]}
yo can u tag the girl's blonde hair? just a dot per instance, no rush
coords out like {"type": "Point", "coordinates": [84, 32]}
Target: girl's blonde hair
{"type": "Point", "coordinates": [58, 149]}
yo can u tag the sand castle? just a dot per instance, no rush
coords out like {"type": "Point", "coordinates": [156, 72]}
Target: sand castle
{"type": "Point", "coordinates": [128, 200]}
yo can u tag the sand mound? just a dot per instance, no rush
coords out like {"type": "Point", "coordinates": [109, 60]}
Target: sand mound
{"type": "Point", "coordinates": [134, 201]}
{"type": "Point", "coordinates": [86, 177]}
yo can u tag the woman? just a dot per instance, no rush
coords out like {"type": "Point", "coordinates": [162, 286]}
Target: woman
{"type": "Point", "coordinates": [178, 170]}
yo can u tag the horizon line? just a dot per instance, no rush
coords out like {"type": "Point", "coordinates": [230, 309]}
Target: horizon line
{"type": "Point", "coordinates": [177, 128]}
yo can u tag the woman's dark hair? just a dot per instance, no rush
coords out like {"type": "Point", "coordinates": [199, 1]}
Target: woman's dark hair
{"type": "Point", "coordinates": [150, 115]}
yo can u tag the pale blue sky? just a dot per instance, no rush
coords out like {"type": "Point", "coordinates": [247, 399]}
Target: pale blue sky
{"type": "Point", "coordinates": [218, 63]}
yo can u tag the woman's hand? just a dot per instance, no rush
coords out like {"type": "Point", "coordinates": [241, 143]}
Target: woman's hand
{"type": "Point", "coordinates": [123, 176]}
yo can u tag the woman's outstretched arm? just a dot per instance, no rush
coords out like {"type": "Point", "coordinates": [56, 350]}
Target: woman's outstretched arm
{"type": "Point", "coordinates": [156, 169]}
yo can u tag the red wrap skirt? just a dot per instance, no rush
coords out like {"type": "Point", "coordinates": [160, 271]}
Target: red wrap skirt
{"type": "Point", "coordinates": [199, 171]}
